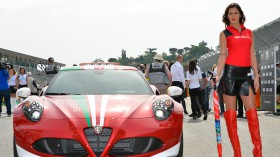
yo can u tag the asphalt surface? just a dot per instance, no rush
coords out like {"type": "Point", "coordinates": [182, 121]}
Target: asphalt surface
{"type": "Point", "coordinates": [199, 136]}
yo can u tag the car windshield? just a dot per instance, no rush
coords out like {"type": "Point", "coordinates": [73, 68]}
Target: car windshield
{"type": "Point", "coordinates": [99, 82]}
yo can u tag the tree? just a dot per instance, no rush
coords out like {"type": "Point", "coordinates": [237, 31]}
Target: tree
{"type": "Point", "coordinates": [187, 50]}
{"type": "Point", "coordinates": [123, 54]}
{"type": "Point", "coordinates": [123, 60]}
{"type": "Point", "coordinates": [172, 51]}
{"type": "Point", "coordinates": [98, 60]}
{"type": "Point", "coordinates": [180, 51]}
{"type": "Point", "coordinates": [149, 55]}
{"type": "Point", "coordinates": [197, 51]}
{"type": "Point", "coordinates": [112, 60]}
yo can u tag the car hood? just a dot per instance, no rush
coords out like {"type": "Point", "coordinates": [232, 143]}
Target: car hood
{"type": "Point", "coordinates": [95, 106]}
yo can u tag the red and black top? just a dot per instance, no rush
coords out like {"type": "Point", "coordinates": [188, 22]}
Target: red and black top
{"type": "Point", "coordinates": [239, 46]}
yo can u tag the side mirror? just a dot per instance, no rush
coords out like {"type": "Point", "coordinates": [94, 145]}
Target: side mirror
{"type": "Point", "coordinates": [22, 94]}
{"type": "Point", "coordinates": [155, 90]}
{"type": "Point", "coordinates": [174, 91]}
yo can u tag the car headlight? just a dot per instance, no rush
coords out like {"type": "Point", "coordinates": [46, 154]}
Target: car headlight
{"type": "Point", "coordinates": [33, 110]}
{"type": "Point", "coordinates": [163, 108]}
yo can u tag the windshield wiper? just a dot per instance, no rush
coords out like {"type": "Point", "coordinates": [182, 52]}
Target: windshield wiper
{"type": "Point", "coordinates": [63, 94]}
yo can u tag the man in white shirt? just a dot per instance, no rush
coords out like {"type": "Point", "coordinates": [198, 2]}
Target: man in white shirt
{"type": "Point", "coordinates": [178, 78]}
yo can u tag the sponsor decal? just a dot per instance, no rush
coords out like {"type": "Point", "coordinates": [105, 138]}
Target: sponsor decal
{"type": "Point", "coordinates": [75, 107]}
{"type": "Point", "coordinates": [242, 37]}
{"type": "Point", "coordinates": [82, 102]}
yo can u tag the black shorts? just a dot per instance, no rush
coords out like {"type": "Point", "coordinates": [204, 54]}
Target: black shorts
{"type": "Point", "coordinates": [13, 89]}
{"type": "Point", "coordinates": [21, 86]}
{"type": "Point", "coordinates": [236, 81]}
{"type": "Point", "coordinates": [278, 89]}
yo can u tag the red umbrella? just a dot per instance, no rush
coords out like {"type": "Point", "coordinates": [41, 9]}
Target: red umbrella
{"type": "Point", "coordinates": [217, 124]}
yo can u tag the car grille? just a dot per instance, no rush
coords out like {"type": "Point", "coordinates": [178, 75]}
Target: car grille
{"type": "Point", "coordinates": [134, 146]}
{"type": "Point", "coordinates": [124, 146]}
{"type": "Point", "coordinates": [61, 147]}
{"type": "Point", "coordinates": [98, 142]}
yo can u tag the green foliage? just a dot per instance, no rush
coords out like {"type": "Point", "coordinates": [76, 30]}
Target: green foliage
{"type": "Point", "coordinates": [194, 51]}
{"type": "Point", "coordinates": [98, 60]}
{"type": "Point", "coordinates": [112, 60]}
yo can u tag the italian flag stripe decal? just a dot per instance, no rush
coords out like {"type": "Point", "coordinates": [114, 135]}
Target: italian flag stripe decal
{"type": "Point", "coordinates": [91, 101]}
{"type": "Point", "coordinates": [82, 102]}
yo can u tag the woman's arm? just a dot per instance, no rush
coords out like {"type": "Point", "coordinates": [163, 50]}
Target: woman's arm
{"type": "Point", "coordinates": [254, 66]}
{"type": "Point", "coordinates": [17, 82]}
{"type": "Point", "coordinates": [27, 80]}
{"type": "Point", "coordinates": [187, 83]}
{"type": "Point", "coordinates": [222, 57]}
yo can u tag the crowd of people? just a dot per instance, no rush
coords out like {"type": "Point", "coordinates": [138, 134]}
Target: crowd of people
{"type": "Point", "coordinates": [11, 81]}
{"type": "Point", "coordinates": [195, 83]}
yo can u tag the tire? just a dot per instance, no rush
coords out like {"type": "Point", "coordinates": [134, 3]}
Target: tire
{"type": "Point", "coordinates": [15, 148]}
{"type": "Point", "coordinates": [181, 149]}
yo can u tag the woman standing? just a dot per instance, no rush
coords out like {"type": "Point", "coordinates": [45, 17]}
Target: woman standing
{"type": "Point", "coordinates": [22, 78]}
{"type": "Point", "coordinates": [238, 40]}
{"type": "Point", "coordinates": [194, 78]}
{"type": "Point", "coordinates": [12, 85]}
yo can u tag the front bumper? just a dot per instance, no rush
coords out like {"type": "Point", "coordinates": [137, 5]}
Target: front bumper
{"type": "Point", "coordinates": [169, 132]}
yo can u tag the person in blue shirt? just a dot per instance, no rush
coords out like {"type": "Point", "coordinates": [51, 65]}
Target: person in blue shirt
{"type": "Point", "coordinates": [4, 89]}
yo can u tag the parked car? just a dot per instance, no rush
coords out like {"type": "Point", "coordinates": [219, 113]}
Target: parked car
{"type": "Point", "coordinates": [99, 111]}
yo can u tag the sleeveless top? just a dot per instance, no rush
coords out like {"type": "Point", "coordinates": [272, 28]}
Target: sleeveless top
{"type": "Point", "coordinates": [13, 80]}
{"type": "Point", "coordinates": [239, 46]}
{"type": "Point", "coordinates": [22, 79]}
{"type": "Point", "coordinates": [157, 74]}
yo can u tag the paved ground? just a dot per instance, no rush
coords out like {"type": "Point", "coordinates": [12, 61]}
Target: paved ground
{"type": "Point", "coordinates": [199, 136]}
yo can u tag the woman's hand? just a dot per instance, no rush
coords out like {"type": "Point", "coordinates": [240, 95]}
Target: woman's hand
{"type": "Point", "coordinates": [256, 83]}
{"type": "Point", "coordinates": [217, 79]}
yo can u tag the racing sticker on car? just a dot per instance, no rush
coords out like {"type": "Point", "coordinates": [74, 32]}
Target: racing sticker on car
{"type": "Point", "coordinates": [82, 102]}
{"type": "Point", "coordinates": [93, 107]}
{"type": "Point", "coordinates": [75, 107]}
{"type": "Point", "coordinates": [91, 101]}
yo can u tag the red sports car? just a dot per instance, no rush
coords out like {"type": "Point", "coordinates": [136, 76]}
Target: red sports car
{"type": "Point", "coordinates": [99, 111]}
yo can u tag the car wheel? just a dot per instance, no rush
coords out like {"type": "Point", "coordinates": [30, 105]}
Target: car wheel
{"type": "Point", "coordinates": [181, 149]}
{"type": "Point", "coordinates": [15, 148]}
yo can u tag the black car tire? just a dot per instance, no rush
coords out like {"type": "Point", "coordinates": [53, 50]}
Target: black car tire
{"type": "Point", "coordinates": [181, 149]}
{"type": "Point", "coordinates": [15, 148]}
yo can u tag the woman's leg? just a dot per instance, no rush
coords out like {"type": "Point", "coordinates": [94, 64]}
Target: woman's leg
{"type": "Point", "coordinates": [240, 107]}
{"type": "Point", "coordinates": [253, 122]}
{"type": "Point", "coordinates": [231, 122]}
{"type": "Point", "coordinates": [183, 101]}
{"type": "Point", "coordinates": [211, 99]}
{"type": "Point", "coordinates": [193, 103]}
{"type": "Point", "coordinates": [221, 101]}
{"type": "Point", "coordinates": [13, 101]}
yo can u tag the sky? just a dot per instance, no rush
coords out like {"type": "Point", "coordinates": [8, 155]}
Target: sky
{"type": "Point", "coordinates": [76, 31]}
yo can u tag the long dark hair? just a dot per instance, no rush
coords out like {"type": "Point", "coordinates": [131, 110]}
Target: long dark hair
{"type": "Point", "coordinates": [242, 18]}
{"type": "Point", "coordinates": [20, 70]}
{"type": "Point", "coordinates": [192, 67]}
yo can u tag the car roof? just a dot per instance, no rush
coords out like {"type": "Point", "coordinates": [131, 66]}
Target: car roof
{"type": "Point", "coordinates": [99, 67]}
